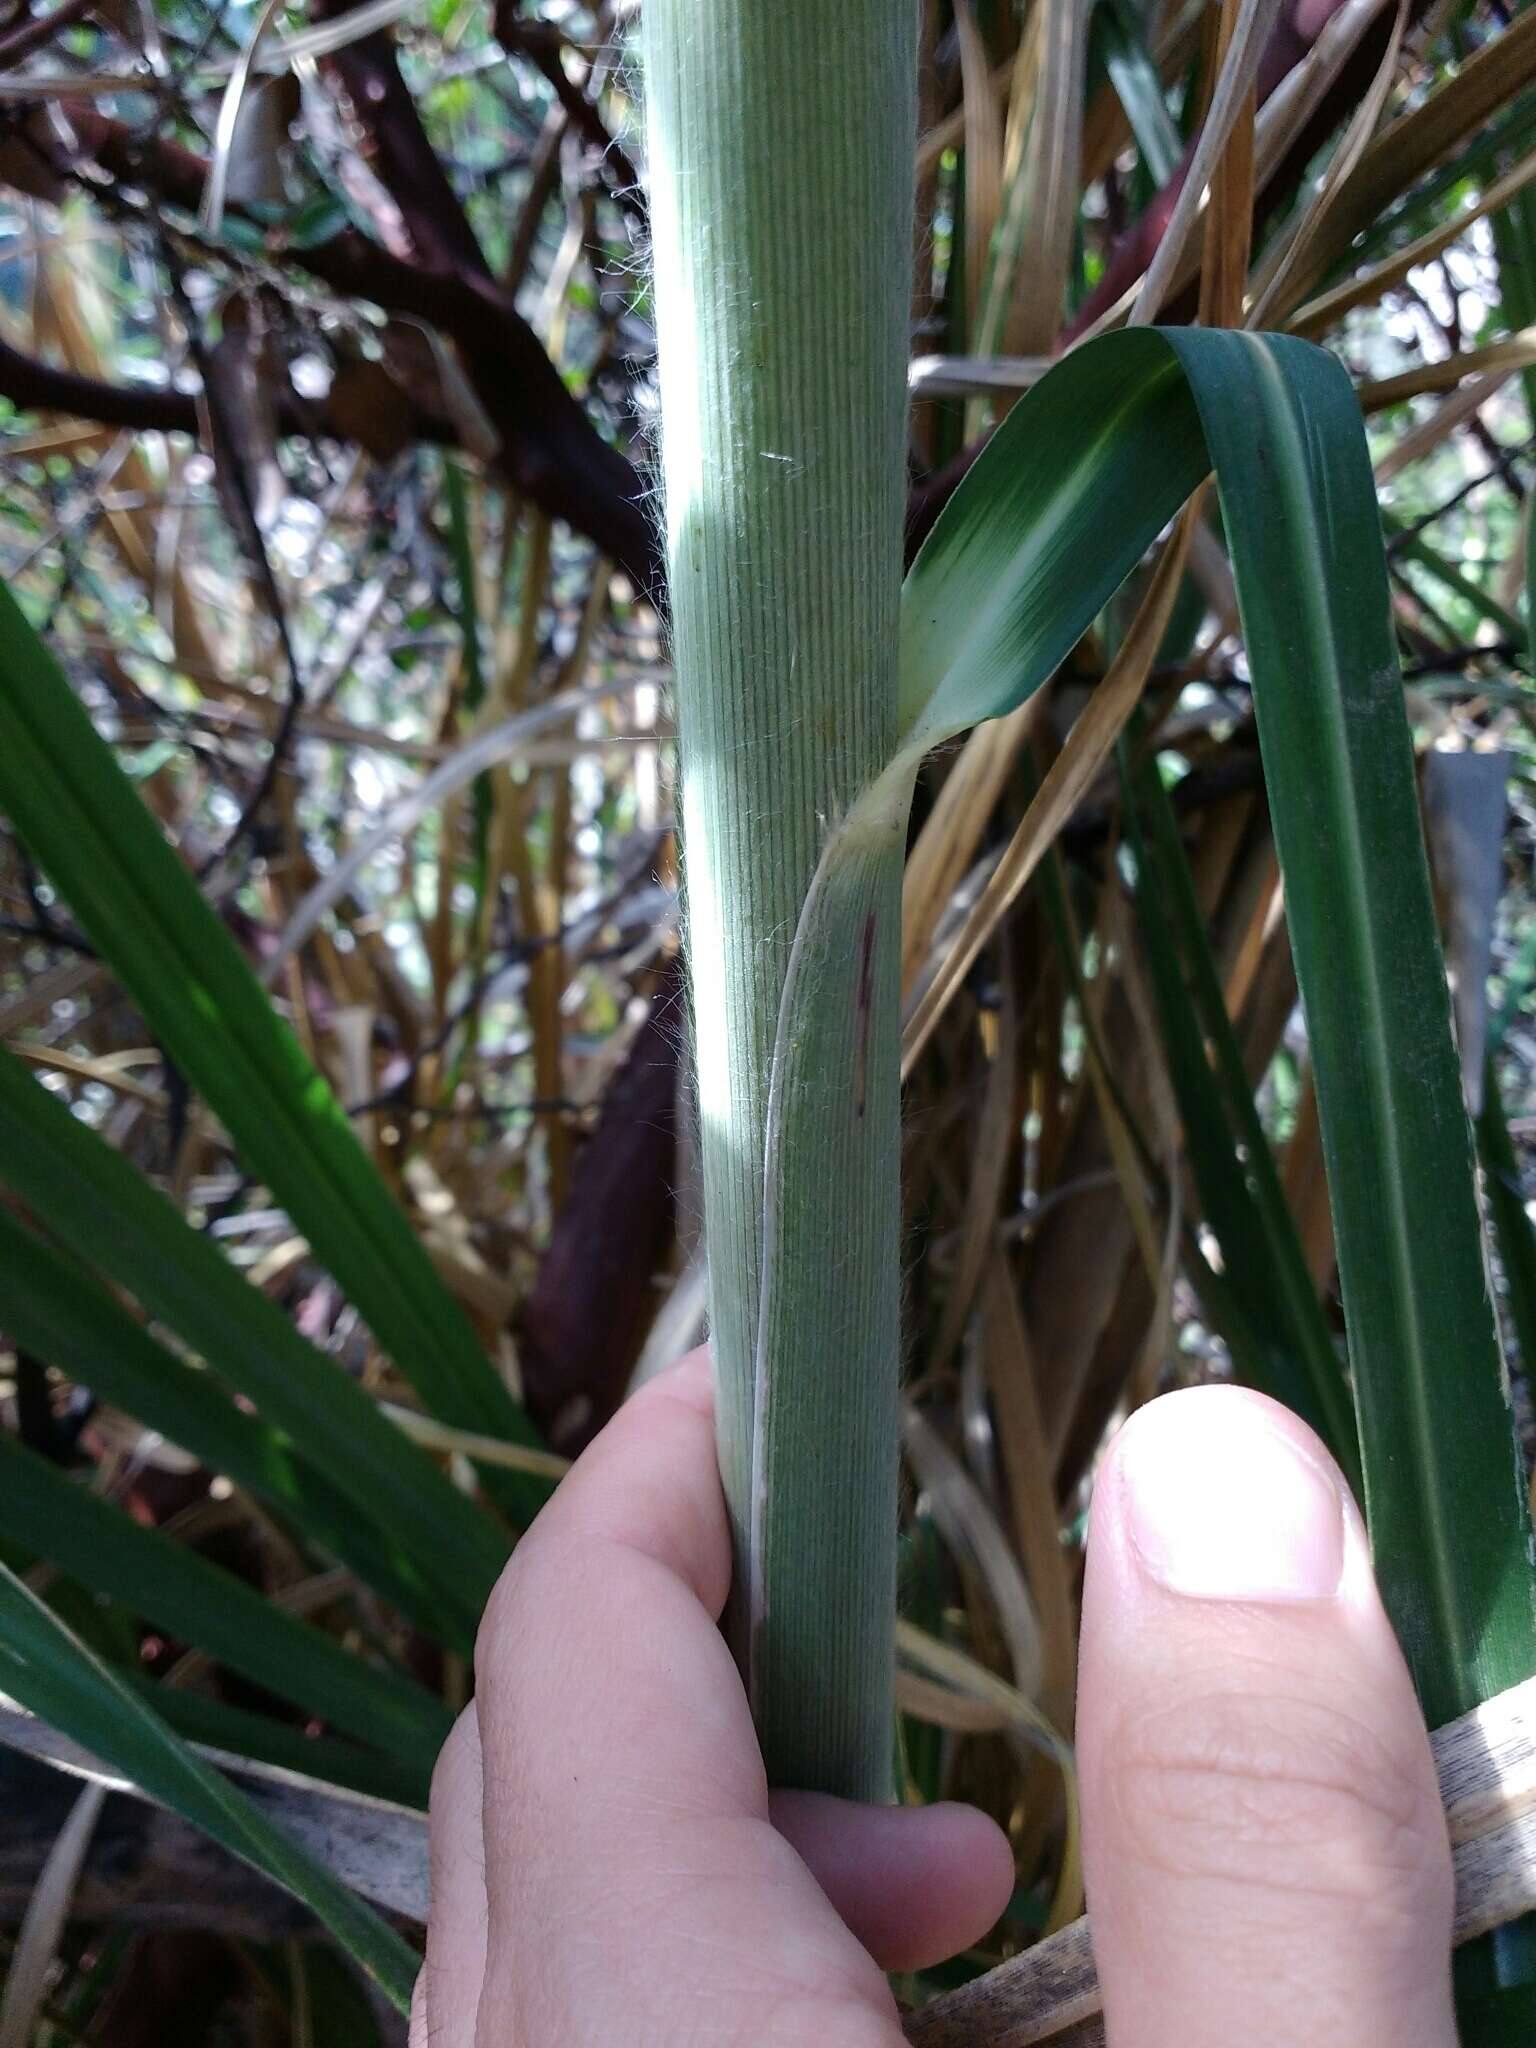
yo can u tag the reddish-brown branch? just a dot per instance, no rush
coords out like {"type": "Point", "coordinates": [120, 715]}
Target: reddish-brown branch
{"type": "Point", "coordinates": [541, 44]}
{"type": "Point", "coordinates": [38, 387]}
{"type": "Point", "coordinates": [402, 158]}
{"type": "Point", "coordinates": [25, 38]}
{"type": "Point", "coordinates": [550, 452]}
{"type": "Point", "coordinates": [34, 386]}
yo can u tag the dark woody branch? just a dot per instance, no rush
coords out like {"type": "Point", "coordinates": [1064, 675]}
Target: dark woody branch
{"type": "Point", "coordinates": [34, 386]}
{"type": "Point", "coordinates": [549, 451]}
{"type": "Point", "coordinates": [399, 152]}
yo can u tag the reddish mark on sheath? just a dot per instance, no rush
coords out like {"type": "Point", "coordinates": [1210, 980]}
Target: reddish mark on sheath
{"type": "Point", "coordinates": [864, 1007]}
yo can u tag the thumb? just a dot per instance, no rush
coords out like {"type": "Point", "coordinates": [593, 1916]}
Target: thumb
{"type": "Point", "coordinates": [1265, 1851]}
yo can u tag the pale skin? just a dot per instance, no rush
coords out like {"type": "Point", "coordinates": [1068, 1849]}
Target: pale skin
{"type": "Point", "coordinates": [1266, 1858]}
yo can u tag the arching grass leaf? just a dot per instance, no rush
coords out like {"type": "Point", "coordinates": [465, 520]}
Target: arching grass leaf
{"type": "Point", "coordinates": [153, 1575]}
{"type": "Point", "coordinates": [1076, 483]}
{"type": "Point", "coordinates": [87, 827]}
{"type": "Point", "coordinates": [87, 1193]}
{"type": "Point", "coordinates": [51, 1672]}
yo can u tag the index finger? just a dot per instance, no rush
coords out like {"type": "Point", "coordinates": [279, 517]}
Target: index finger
{"type": "Point", "coordinates": [649, 1482]}
{"type": "Point", "coordinates": [636, 1888]}
{"type": "Point", "coordinates": [637, 1528]}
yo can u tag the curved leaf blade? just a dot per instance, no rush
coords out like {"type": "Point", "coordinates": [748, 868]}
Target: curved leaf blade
{"type": "Point", "coordinates": [1048, 522]}
{"type": "Point", "coordinates": [86, 826]}
{"type": "Point", "coordinates": [1052, 517]}
{"type": "Point", "coordinates": [152, 1575]}
{"type": "Point", "coordinates": [53, 1674]}
{"type": "Point", "coordinates": [57, 1311]}
{"type": "Point", "coordinates": [1443, 1485]}
{"type": "Point", "coordinates": [83, 1190]}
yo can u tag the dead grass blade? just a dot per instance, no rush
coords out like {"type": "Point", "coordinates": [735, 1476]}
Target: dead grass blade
{"type": "Point", "coordinates": [1290, 251]}
{"type": "Point", "coordinates": [1419, 140]}
{"type": "Point", "coordinates": [974, 1538]}
{"type": "Point", "coordinates": [946, 844]}
{"type": "Point", "coordinates": [1250, 30]}
{"type": "Point", "coordinates": [1047, 184]}
{"type": "Point", "coordinates": [1325, 311]}
{"type": "Point", "coordinates": [1027, 1466]}
{"type": "Point", "coordinates": [42, 1927]}
{"type": "Point", "coordinates": [1450, 414]}
{"type": "Point", "coordinates": [1515, 352]}
{"type": "Point", "coordinates": [1304, 1178]}
{"type": "Point", "coordinates": [1299, 95]}
{"type": "Point", "coordinates": [945, 134]}
{"type": "Point", "coordinates": [996, 1132]}
{"type": "Point", "coordinates": [983, 155]}
{"type": "Point", "coordinates": [1023, 1723]}
{"type": "Point", "coordinates": [504, 741]}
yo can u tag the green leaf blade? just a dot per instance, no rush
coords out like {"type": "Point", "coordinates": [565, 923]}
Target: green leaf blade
{"type": "Point", "coordinates": [1239, 1190]}
{"type": "Point", "coordinates": [52, 1674]}
{"type": "Point", "coordinates": [1076, 488]}
{"type": "Point", "coordinates": [151, 1574]}
{"type": "Point", "coordinates": [86, 826]}
{"type": "Point", "coordinates": [60, 1314]}
{"type": "Point", "coordinates": [1446, 1510]}
{"type": "Point", "coordinates": [82, 1189]}
{"type": "Point", "coordinates": [1278, 421]}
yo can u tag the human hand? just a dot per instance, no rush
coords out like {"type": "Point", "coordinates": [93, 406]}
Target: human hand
{"type": "Point", "coordinates": [1265, 1850]}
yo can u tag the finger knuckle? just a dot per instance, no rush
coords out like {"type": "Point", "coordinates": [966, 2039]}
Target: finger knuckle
{"type": "Point", "coordinates": [1294, 1794]}
{"type": "Point", "coordinates": [502, 1622]}
{"type": "Point", "coordinates": [456, 1764]}
{"type": "Point", "coordinates": [545, 1581]}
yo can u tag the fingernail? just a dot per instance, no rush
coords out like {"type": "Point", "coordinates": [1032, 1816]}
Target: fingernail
{"type": "Point", "coordinates": [1224, 1505]}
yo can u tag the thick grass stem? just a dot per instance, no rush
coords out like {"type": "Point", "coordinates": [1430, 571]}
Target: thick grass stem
{"type": "Point", "coordinates": [781, 140]}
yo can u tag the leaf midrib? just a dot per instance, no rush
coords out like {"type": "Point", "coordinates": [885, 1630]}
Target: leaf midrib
{"type": "Point", "coordinates": [1295, 472]}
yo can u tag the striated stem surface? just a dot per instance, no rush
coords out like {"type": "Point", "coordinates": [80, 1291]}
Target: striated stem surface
{"type": "Point", "coordinates": [781, 160]}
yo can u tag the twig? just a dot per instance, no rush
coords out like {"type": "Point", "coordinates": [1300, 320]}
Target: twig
{"type": "Point", "coordinates": [541, 44]}
{"type": "Point", "coordinates": [1501, 472]}
{"type": "Point", "coordinates": [37, 31]}
{"type": "Point", "coordinates": [550, 451]}
{"type": "Point", "coordinates": [226, 448]}
{"type": "Point", "coordinates": [407, 165]}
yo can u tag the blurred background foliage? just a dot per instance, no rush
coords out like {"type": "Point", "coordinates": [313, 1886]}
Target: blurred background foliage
{"type": "Point", "coordinates": [327, 392]}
